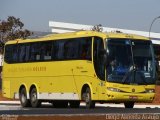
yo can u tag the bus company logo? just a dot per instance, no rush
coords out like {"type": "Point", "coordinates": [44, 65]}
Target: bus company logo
{"type": "Point", "coordinates": [133, 90]}
{"type": "Point", "coordinates": [28, 69]}
{"type": "Point", "coordinates": [39, 68]}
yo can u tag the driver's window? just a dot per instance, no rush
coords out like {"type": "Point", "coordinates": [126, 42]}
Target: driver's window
{"type": "Point", "coordinates": [98, 62]}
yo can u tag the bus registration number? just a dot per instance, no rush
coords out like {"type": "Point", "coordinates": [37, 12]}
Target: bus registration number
{"type": "Point", "coordinates": [133, 97]}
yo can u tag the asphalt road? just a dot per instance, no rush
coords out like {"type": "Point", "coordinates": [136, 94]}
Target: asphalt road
{"type": "Point", "coordinates": [48, 110]}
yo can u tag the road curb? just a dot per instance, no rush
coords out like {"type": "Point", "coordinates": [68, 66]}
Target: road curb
{"type": "Point", "coordinates": [9, 102]}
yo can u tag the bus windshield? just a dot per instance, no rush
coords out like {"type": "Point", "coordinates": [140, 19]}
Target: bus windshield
{"type": "Point", "coordinates": [130, 61]}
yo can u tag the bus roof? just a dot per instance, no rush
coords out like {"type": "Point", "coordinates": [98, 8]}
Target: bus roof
{"type": "Point", "coordinates": [79, 34]}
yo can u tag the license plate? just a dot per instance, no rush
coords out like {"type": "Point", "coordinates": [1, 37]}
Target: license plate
{"type": "Point", "coordinates": [133, 97]}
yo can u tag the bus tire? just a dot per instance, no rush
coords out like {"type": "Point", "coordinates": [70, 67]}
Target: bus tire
{"type": "Point", "coordinates": [33, 98]}
{"type": "Point", "coordinates": [23, 98]}
{"type": "Point", "coordinates": [129, 104]}
{"type": "Point", "coordinates": [74, 104]}
{"type": "Point", "coordinates": [87, 98]}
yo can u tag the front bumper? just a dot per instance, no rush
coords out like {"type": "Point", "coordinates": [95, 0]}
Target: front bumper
{"type": "Point", "coordinates": [125, 97]}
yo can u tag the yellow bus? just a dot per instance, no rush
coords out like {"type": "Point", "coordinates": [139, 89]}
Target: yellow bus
{"type": "Point", "coordinates": [65, 69]}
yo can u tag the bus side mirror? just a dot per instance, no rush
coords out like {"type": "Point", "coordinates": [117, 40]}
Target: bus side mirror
{"type": "Point", "coordinates": [103, 57]}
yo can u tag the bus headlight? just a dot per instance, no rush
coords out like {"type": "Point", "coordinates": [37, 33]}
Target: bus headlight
{"type": "Point", "coordinates": [113, 89]}
{"type": "Point", "coordinates": [150, 90]}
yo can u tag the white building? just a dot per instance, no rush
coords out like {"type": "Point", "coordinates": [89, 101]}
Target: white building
{"type": "Point", "coordinates": [61, 27]}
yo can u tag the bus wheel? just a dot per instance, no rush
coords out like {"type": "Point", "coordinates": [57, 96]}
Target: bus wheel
{"type": "Point", "coordinates": [129, 104]}
{"type": "Point", "coordinates": [23, 98]}
{"type": "Point", "coordinates": [60, 104]}
{"type": "Point", "coordinates": [33, 98]}
{"type": "Point", "coordinates": [87, 98]}
{"type": "Point", "coordinates": [74, 104]}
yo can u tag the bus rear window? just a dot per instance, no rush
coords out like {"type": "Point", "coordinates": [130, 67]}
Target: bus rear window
{"type": "Point", "coordinates": [11, 53]}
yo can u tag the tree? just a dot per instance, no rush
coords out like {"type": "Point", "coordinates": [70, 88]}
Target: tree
{"type": "Point", "coordinates": [12, 29]}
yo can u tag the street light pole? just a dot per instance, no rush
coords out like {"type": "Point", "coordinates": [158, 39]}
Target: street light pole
{"type": "Point", "coordinates": [152, 24]}
{"type": "Point", "coordinates": [156, 61]}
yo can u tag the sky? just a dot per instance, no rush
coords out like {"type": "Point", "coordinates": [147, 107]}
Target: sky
{"type": "Point", "coordinates": [124, 14]}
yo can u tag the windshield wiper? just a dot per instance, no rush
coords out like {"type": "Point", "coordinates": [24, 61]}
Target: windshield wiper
{"type": "Point", "coordinates": [132, 68]}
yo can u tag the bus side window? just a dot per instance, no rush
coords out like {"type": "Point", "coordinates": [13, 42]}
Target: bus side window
{"type": "Point", "coordinates": [85, 50]}
{"type": "Point", "coordinates": [27, 52]}
{"type": "Point", "coordinates": [46, 51]}
{"type": "Point", "coordinates": [54, 49]}
{"type": "Point", "coordinates": [71, 48]}
{"type": "Point", "coordinates": [22, 53]}
{"type": "Point", "coordinates": [58, 50]}
{"type": "Point", "coordinates": [35, 52]}
{"type": "Point", "coordinates": [11, 53]}
{"type": "Point", "coordinates": [8, 57]}
{"type": "Point", "coordinates": [76, 48]}
{"type": "Point", "coordinates": [15, 53]}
